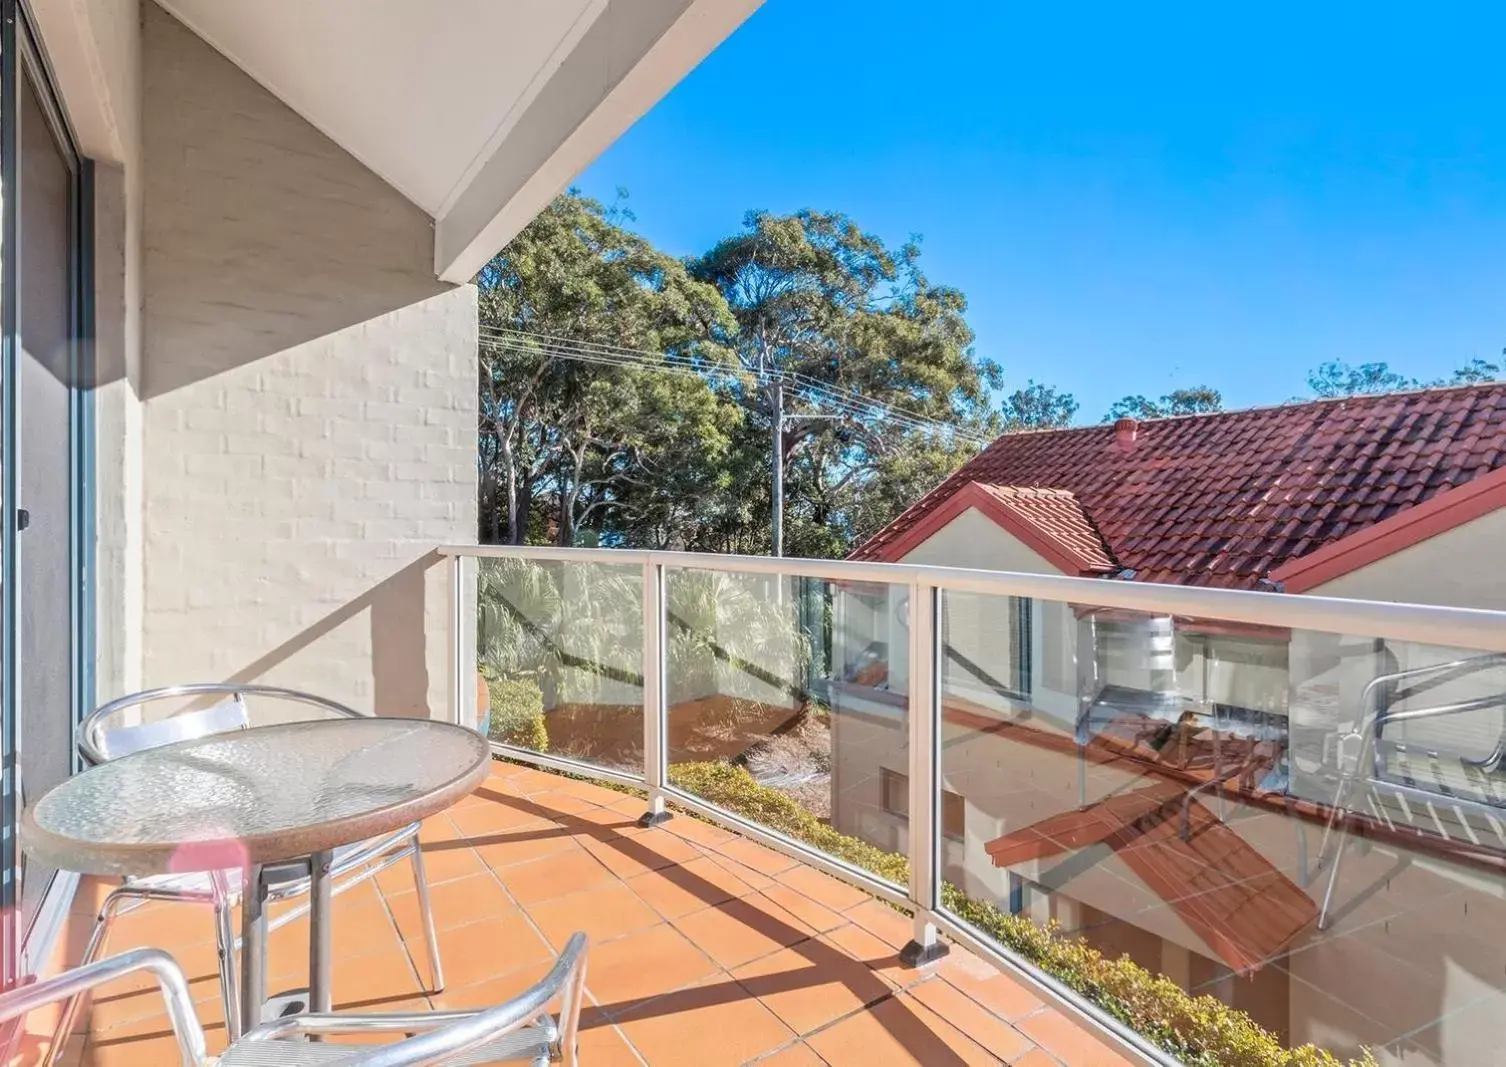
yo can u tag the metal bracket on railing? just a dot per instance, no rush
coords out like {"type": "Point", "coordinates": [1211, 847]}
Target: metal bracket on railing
{"type": "Point", "coordinates": [655, 759]}
{"type": "Point", "coordinates": [926, 945]}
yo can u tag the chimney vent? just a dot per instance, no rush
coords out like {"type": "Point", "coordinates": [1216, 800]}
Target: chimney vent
{"type": "Point", "coordinates": [1126, 430]}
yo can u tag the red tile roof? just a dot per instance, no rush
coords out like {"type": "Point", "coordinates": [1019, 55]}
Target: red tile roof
{"type": "Point", "coordinates": [1225, 499]}
{"type": "Point", "coordinates": [1057, 514]}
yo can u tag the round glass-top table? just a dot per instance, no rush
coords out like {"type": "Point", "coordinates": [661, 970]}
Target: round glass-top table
{"type": "Point", "coordinates": [252, 798]}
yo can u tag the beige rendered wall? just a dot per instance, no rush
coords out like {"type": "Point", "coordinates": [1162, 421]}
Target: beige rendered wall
{"type": "Point", "coordinates": [309, 400]}
{"type": "Point", "coordinates": [1459, 567]}
{"type": "Point", "coordinates": [974, 540]}
{"type": "Point", "coordinates": [868, 738]}
{"type": "Point", "coordinates": [979, 626]}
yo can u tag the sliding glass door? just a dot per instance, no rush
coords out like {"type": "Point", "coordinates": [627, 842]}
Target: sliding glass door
{"type": "Point", "coordinates": [43, 426]}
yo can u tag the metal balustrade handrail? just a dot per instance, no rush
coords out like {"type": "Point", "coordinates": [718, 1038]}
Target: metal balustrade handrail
{"type": "Point", "coordinates": [1473, 628]}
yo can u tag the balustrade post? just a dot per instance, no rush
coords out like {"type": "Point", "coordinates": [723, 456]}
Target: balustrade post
{"type": "Point", "coordinates": [653, 694]}
{"type": "Point", "coordinates": [926, 945]}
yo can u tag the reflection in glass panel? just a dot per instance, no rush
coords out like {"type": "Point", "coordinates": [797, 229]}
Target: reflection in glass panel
{"type": "Point", "coordinates": [560, 656]}
{"type": "Point", "coordinates": [44, 386]}
{"type": "Point", "coordinates": [798, 688]}
{"type": "Point", "coordinates": [1161, 787]}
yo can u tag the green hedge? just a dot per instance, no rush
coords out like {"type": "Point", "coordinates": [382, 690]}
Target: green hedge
{"type": "Point", "coordinates": [736, 790]}
{"type": "Point", "coordinates": [1201, 1031]}
{"type": "Point", "coordinates": [517, 716]}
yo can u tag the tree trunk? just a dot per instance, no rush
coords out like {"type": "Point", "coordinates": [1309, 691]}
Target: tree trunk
{"type": "Point", "coordinates": [489, 526]}
{"type": "Point", "coordinates": [519, 496]}
{"type": "Point", "coordinates": [566, 537]}
{"type": "Point", "coordinates": [515, 520]}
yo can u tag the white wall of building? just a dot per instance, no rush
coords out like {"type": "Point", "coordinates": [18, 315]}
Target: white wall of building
{"type": "Point", "coordinates": [1460, 568]}
{"type": "Point", "coordinates": [984, 632]}
{"type": "Point", "coordinates": [285, 398]}
{"type": "Point", "coordinates": [309, 400]}
{"type": "Point", "coordinates": [974, 540]}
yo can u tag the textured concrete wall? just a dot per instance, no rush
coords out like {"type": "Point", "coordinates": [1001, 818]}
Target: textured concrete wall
{"type": "Point", "coordinates": [310, 400]}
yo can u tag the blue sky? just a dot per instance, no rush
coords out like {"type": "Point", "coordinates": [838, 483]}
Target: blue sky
{"type": "Point", "coordinates": [1133, 197]}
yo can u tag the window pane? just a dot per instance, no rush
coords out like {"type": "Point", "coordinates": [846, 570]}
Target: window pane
{"type": "Point", "coordinates": [45, 585]}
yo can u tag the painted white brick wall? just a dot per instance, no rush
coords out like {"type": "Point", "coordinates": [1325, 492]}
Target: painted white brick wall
{"type": "Point", "coordinates": [310, 400]}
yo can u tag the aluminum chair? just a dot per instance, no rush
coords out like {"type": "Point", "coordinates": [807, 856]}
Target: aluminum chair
{"type": "Point", "coordinates": [522, 1029]}
{"type": "Point", "coordinates": [1457, 798]}
{"type": "Point", "coordinates": [105, 735]}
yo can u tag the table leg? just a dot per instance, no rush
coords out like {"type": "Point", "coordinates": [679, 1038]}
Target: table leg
{"type": "Point", "coordinates": [253, 946]}
{"type": "Point", "coordinates": [224, 931]}
{"type": "Point", "coordinates": [321, 934]}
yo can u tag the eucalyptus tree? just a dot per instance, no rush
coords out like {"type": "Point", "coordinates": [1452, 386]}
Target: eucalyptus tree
{"type": "Point", "coordinates": [824, 310]}
{"type": "Point", "coordinates": [558, 430]}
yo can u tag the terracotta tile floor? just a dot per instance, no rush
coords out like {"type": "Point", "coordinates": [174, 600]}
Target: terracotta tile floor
{"type": "Point", "coordinates": [706, 949]}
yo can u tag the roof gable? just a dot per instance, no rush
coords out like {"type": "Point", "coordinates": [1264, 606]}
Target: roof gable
{"type": "Point", "coordinates": [1226, 499]}
{"type": "Point", "coordinates": [1050, 522]}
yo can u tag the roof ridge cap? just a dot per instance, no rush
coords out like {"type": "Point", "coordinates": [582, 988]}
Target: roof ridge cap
{"type": "Point", "coordinates": [1036, 490]}
{"type": "Point", "coordinates": [1285, 405]}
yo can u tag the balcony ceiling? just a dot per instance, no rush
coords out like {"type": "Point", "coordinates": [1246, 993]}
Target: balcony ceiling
{"type": "Point", "coordinates": [477, 111]}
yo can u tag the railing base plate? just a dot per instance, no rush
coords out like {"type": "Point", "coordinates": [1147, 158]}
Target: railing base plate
{"type": "Point", "coordinates": [915, 954]}
{"type": "Point", "coordinates": [654, 818]}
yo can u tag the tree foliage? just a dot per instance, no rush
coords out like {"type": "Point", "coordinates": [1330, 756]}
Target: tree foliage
{"type": "Point", "coordinates": [1476, 371]}
{"type": "Point", "coordinates": [818, 300]}
{"type": "Point", "coordinates": [599, 446]}
{"type": "Point", "coordinates": [1337, 378]}
{"type": "Point", "coordinates": [1198, 400]}
{"type": "Point", "coordinates": [627, 453]}
{"type": "Point", "coordinates": [1038, 407]}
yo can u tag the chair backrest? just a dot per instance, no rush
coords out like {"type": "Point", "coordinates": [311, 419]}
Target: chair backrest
{"type": "Point", "coordinates": [223, 717]}
{"type": "Point", "coordinates": [105, 735]}
{"type": "Point", "coordinates": [450, 1043]}
{"type": "Point", "coordinates": [1453, 710]}
{"type": "Point", "coordinates": [188, 1033]}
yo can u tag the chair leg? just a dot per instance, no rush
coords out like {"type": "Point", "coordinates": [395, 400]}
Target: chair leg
{"type": "Point", "coordinates": [568, 1040]}
{"type": "Point", "coordinates": [1333, 881]}
{"type": "Point", "coordinates": [1335, 813]}
{"type": "Point", "coordinates": [92, 950]}
{"type": "Point", "coordinates": [421, 881]}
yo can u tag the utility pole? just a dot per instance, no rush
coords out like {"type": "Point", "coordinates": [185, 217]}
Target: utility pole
{"type": "Point", "coordinates": [776, 404]}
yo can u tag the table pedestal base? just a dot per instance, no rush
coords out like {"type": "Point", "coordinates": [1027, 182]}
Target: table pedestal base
{"type": "Point", "coordinates": [317, 998]}
{"type": "Point", "coordinates": [281, 1005]}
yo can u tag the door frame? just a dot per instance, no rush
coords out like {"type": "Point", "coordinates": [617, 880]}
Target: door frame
{"type": "Point", "coordinates": [22, 56]}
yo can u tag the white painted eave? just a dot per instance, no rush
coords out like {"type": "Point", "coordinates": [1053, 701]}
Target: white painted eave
{"type": "Point", "coordinates": [629, 58]}
{"type": "Point", "coordinates": [478, 111]}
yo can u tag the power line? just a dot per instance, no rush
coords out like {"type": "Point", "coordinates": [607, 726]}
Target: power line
{"type": "Point", "coordinates": [812, 390]}
{"type": "Point", "coordinates": [804, 385]}
{"type": "Point", "coordinates": [843, 403]}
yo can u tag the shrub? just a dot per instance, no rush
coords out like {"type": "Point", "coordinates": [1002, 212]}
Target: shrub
{"type": "Point", "coordinates": [1201, 1031]}
{"type": "Point", "coordinates": [517, 714]}
{"type": "Point", "coordinates": [736, 790]}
